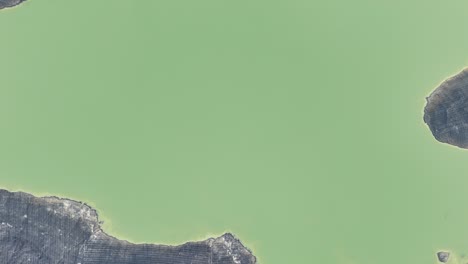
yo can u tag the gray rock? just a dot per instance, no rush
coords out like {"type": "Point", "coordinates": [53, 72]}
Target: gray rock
{"type": "Point", "coordinates": [446, 111]}
{"type": "Point", "coordinates": [10, 3]}
{"type": "Point", "coordinates": [443, 256]}
{"type": "Point", "coordinates": [52, 230]}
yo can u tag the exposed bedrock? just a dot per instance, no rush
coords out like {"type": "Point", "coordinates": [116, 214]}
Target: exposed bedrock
{"type": "Point", "coordinates": [47, 230]}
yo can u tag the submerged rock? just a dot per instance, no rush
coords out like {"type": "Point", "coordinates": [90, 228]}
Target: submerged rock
{"type": "Point", "coordinates": [443, 256]}
{"type": "Point", "coordinates": [446, 111]}
{"type": "Point", "coordinates": [10, 3]}
{"type": "Point", "coordinates": [45, 230]}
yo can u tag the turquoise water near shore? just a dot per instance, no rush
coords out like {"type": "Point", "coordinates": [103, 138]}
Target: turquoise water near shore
{"type": "Point", "coordinates": [296, 125]}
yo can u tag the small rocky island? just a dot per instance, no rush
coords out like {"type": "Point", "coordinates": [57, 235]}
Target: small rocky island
{"type": "Point", "coordinates": [45, 230]}
{"type": "Point", "coordinates": [443, 256]}
{"type": "Point", "coordinates": [446, 111]}
{"type": "Point", "coordinates": [10, 3]}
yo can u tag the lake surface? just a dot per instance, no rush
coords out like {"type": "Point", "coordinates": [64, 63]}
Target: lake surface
{"type": "Point", "coordinates": [297, 125]}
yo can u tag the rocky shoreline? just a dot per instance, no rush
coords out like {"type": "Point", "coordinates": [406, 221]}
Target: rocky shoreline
{"type": "Point", "coordinates": [45, 230]}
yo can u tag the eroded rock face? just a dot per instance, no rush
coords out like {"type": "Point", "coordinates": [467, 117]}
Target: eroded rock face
{"type": "Point", "coordinates": [46, 230]}
{"type": "Point", "coordinates": [10, 3]}
{"type": "Point", "coordinates": [446, 111]}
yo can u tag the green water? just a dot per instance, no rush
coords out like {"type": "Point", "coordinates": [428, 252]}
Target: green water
{"type": "Point", "coordinates": [295, 124]}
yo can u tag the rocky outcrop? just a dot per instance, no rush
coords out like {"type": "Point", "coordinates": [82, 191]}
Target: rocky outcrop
{"type": "Point", "coordinates": [10, 3]}
{"type": "Point", "coordinates": [443, 256]}
{"type": "Point", "coordinates": [47, 230]}
{"type": "Point", "coordinates": [446, 111]}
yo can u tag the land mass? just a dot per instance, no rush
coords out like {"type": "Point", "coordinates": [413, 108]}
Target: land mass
{"type": "Point", "coordinates": [10, 3]}
{"type": "Point", "coordinates": [45, 230]}
{"type": "Point", "coordinates": [446, 111]}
